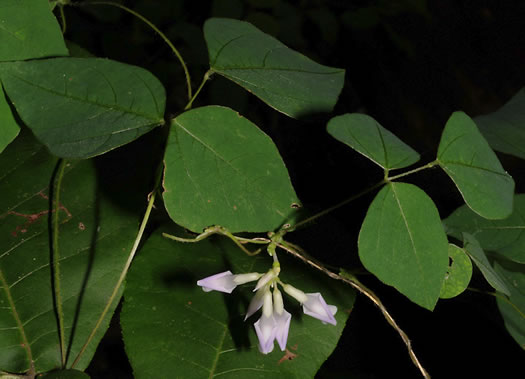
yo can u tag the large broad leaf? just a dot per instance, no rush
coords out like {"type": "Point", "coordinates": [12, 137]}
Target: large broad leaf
{"type": "Point", "coordinates": [403, 243]}
{"type": "Point", "coordinates": [365, 135]}
{"type": "Point", "coordinates": [513, 310]}
{"type": "Point", "coordinates": [284, 79]}
{"type": "Point", "coordinates": [203, 334]}
{"type": "Point", "coordinates": [223, 170]}
{"type": "Point", "coordinates": [95, 236]}
{"type": "Point", "coordinates": [28, 30]}
{"type": "Point", "coordinates": [82, 107]}
{"type": "Point", "coordinates": [470, 162]}
{"type": "Point", "coordinates": [477, 254]}
{"type": "Point", "coordinates": [8, 127]}
{"type": "Point", "coordinates": [506, 237]}
{"type": "Point", "coordinates": [505, 128]}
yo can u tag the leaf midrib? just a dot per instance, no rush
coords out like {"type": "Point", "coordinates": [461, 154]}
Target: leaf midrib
{"type": "Point", "coordinates": [114, 107]}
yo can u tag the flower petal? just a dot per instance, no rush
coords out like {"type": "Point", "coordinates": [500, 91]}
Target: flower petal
{"type": "Point", "coordinates": [222, 282]}
{"type": "Point", "coordinates": [266, 329]}
{"type": "Point", "coordinates": [256, 303]}
{"type": "Point", "coordinates": [316, 307]}
{"type": "Point", "coordinates": [282, 327]}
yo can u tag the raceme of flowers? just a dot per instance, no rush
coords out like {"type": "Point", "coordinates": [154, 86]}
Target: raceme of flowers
{"type": "Point", "coordinates": [274, 322]}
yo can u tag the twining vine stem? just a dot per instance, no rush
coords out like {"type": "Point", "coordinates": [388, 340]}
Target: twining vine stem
{"type": "Point", "coordinates": [157, 30]}
{"type": "Point", "coordinates": [386, 180]}
{"type": "Point", "coordinates": [56, 259]}
{"type": "Point", "coordinates": [123, 273]}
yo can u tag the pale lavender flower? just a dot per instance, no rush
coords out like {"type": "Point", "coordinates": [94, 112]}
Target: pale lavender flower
{"type": "Point", "coordinates": [313, 304]}
{"type": "Point", "coordinates": [282, 319]}
{"type": "Point", "coordinates": [226, 281]}
{"type": "Point", "coordinates": [266, 327]}
{"type": "Point", "coordinates": [316, 307]}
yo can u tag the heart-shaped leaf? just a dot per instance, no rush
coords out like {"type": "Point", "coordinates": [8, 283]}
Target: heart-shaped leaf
{"type": "Point", "coordinates": [506, 237]}
{"type": "Point", "coordinates": [203, 334]}
{"type": "Point", "coordinates": [365, 135]}
{"type": "Point", "coordinates": [281, 77]}
{"type": "Point", "coordinates": [223, 170]}
{"type": "Point", "coordinates": [505, 128]}
{"type": "Point", "coordinates": [477, 254]}
{"type": "Point", "coordinates": [82, 107]}
{"type": "Point", "coordinates": [473, 166]}
{"type": "Point", "coordinates": [29, 30]}
{"type": "Point", "coordinates": [403, 243]}
{"type": "Point", "coordinates": [95, 236]}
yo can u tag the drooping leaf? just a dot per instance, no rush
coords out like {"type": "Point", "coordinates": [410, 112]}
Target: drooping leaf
{"type": "Point", "coordinates": [505, 128]}
{"type": "Point", "coordinates": [29, 30]}
{"type": "Point", "coordinates": [223, 170]}
{"type": "Point", "coordinates": [477, 254]}
{"type": "Point", "coordinates": [470, 162]}
{"type": "Point", "coordinates": [203, 334]}
{"type": "Point", "coordinates": [82, 107]}
{"type": "Point", "coordinates": [281, 77]}
{"type": "Point", "coordinates": [8, 127]}
{"type": "Point", "coordinates": [403, 243]}
{"type": "Point", "coordinates": [459, 273]}
{"type": "Point", "coordinates": [506, 237]}
{"type": "Point", "coordinates": [95, 236]}
{"type": "Point", "coordinates": [365, 135]}
{"type": "Point", "coordinates": [513, 313]}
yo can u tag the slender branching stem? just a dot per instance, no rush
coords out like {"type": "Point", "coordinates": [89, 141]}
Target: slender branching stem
{"type": "Point", "coordinates": [63, 21]}
{"type": "Point", "coordinates": [157, 30]}
{"type": "Point", "coordinates": [501, 297]}
{"type": "Point", "coordinates": [417, 169]}
{"type": "Point", "coordinates": [206, 77]}
{"type": "Point", "coordinates": [239, 241]}
{"type": "Point", "coordinates": [56, 259]}
{"type": "Point", "coordinates": [123, 274]}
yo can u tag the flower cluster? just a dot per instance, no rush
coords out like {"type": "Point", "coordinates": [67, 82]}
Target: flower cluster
{"type": "Point", "coordinates": [274, 322]}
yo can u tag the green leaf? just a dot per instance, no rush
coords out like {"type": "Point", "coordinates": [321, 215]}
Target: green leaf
{"type": "Point", "coordinates": [203, 334]}
{"type": "Point", "coordinates": [403, 243]}
{"type": "Point", "coordinates": [506, 237]}
{"type": "Point", "coordinates": [29, 30]}
{"type": "Point", "coordinates": [477, 254]}
{"type": "Point", "coordinates": [8, 127]}
{"type": "Point", "coordinates": [458, 274]}
{"type": "Point", "coordinates": [470, 162]}
{"type": "Point", "coordinates": [505, 128]}
{"type": "Point", "coordinates": [365, 135]}
{"type": "Point", "coordinates": [220, 169]}
{"type": "Point", "coordinates": [95, 236]}
{"type": "Point", "coordinates": [513, 309]}
{"type": "Point", "coordinates": [281, 77]}
{"type": "Point", "coordinates": [82, 107]}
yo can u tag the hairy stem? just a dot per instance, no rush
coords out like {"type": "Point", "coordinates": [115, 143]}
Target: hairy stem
{"type": "Point", "coordinates": [352, 281]}
{"type": "Point", "coordinates": [157, 30]}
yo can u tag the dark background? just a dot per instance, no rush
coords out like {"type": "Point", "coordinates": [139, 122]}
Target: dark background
{"type": "Point", "coordinates": [409, 64]}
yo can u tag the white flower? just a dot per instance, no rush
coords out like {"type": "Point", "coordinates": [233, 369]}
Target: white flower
{"type": "Point", "coordinates": [313, 304]}
{"type": "Point", "coordinates": [266, 327]}
{"type": "Point", "coordinates": [226, 281]}
{"type": "Point", "coordinates": [282, 319]}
